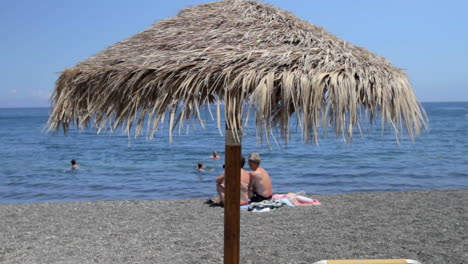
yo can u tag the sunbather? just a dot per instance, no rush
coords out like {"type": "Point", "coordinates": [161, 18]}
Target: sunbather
{"type": "Point", "coordinates": [244, 191]}
{"type": "Point", "coordinates": [260, 181]}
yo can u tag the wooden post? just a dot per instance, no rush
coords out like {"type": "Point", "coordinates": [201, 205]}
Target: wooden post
{"type": "Point", "coordinates": [232, 198]}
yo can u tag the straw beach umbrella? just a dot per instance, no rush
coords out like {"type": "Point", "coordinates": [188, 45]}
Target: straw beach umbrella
{"type": "Point", "coordinates": [249, 56]}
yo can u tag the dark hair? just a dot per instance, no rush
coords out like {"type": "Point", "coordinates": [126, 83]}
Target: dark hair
{"type": "Point", "coordinates": [200, 165]}
{"type": "Point", "coordinates": [73, 162]}
{"type": "Point", "coordinates": [242, 163]}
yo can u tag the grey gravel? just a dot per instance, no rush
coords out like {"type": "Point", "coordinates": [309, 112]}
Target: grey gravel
{"type": "Point", "coordinates": [429, 226]}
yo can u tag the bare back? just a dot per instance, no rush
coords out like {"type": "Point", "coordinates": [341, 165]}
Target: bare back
{"type": "Point", "coordinates": [261, 182]}
{"type": "Point", "coordinates": [244, 188]}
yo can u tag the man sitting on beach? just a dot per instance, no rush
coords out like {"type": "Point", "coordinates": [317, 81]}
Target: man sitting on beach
{"type": "Point", "coordinates": [244, 191]}
{"type": "Point", "coordinates": [260, 181]}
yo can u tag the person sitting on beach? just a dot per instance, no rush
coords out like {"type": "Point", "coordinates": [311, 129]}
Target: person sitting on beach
{"type": "Point", "coordinates": [73, 164]}
{"type": "Point", "coordinates": [215, 155]}
{"type": "Point", "coordinates": [260, 181]}
{"type": "Point", "coordinates": [200, 167]}
{"type": "Point", "coordinates": [244, 191]}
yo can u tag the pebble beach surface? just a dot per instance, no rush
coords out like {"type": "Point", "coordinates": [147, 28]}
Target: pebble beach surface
{"type": "Point", "coordinates": [429, 226]}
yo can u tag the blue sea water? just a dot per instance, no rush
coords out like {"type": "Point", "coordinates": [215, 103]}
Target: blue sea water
{"type": "Point", "coordinates": [35, 165]}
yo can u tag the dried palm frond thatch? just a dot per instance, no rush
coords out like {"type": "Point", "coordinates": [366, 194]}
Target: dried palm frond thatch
{"type": "Point", "coordinates": [242, 52]}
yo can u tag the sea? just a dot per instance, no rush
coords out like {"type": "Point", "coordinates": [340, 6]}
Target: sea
{"type": "Point", "coordinates": [35, 165]}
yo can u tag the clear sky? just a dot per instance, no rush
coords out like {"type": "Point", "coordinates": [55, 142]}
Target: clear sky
{"type": "Point", "coordinates": [427, 38]}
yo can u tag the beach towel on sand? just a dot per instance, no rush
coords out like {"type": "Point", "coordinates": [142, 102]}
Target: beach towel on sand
{"type": "Point", "coordinates": [277, 201]}
{"type": "Point", "coordinates": [264, 206]}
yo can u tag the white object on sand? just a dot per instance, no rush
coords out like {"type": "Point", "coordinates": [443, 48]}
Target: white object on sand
{"type": "Point", "coordinates": [303, 199]}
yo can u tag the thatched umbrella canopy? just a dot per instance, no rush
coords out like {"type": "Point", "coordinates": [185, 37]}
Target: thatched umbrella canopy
{"type": "Point", "coordinates": [240, 53]}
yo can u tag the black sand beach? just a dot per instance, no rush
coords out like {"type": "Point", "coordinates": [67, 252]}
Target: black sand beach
{"type": "Point", "coordinates": [429, 226]}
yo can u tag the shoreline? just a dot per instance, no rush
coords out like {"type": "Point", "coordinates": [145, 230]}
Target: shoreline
{"type": "Point", "coordinates": [427, 226]}
{"type": "Point", "coordinates": [202, 199]}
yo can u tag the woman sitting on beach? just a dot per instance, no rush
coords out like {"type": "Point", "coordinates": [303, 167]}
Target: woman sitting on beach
{"type": "Point", "coordinates": [244, 191]}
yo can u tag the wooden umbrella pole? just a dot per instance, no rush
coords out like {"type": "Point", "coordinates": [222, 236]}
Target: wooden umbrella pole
{"type": "Point", "coordinates": [232, 197]}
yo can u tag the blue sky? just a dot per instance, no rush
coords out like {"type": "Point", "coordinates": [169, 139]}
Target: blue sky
{"type": "Point", "coordinates": [429, 39]}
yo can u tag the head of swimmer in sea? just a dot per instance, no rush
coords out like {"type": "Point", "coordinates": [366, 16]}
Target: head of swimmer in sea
{"type": "Point", "coordinates": [215, 154]}
{"type": "Point", "coordinates": [73, 162]}
{"type": "Point", "coordinates": [254, 160]}
{"type": "Point", "coordinates": [200, 165]}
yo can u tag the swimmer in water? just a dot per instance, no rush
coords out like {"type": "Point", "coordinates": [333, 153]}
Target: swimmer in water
{"type": "Point", "coordinates": [200, 167]}
{"type": "Point", "coordinates": [215, 155]}
{"type": "Point", "coordinates": [74, 165]}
